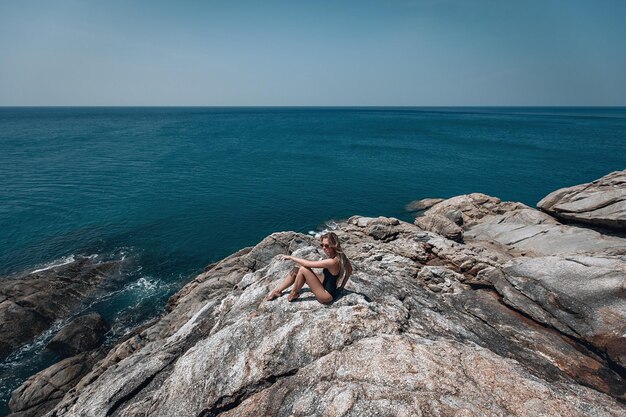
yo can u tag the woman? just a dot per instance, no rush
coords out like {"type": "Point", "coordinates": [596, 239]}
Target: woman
{"type": "Point", "coordinates": [323, 286]}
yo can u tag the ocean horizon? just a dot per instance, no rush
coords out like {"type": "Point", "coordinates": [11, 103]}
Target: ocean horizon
{"type": "Point", "coordinates": [168, 190]}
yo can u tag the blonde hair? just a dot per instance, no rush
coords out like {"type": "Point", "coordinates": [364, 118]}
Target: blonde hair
{"type": "Point", "coordinates": [333, 242]}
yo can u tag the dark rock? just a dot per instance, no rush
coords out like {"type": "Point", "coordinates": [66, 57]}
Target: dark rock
{"type": "Point", "coordinates": [80, 335]}
{"type": "Point", "coordinates": [31, 303]}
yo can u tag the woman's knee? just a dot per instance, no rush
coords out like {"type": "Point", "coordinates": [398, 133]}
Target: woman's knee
{"type": "Point", "coordinates": [303, 270]}
{"type": "Point", "coordinates": [325, 299]}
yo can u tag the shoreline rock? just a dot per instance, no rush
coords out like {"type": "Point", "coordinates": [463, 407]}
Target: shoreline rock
{"type": "Point", "coordinates": [31, 303]}
{"type": "Point", "coordinates": [524, 316]}
{"type": "Point", "coordinates": [82, 334]}
{"type": "Point", "coordinates": [601, 202]}
{"type": "Point", "coordinates": [423, 204]}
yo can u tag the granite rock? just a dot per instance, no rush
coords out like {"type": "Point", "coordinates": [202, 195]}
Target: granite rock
{"type": "Point", "coordinates": [389, 344]}
{"type": "Point", "coordinates": [522, 317]}
{"type": "Point", "coordinates": [442, 225]}
{"type": "Point", "coordinates": [41, 392]}
{"type": "Point", "coordinates": [601, 202]}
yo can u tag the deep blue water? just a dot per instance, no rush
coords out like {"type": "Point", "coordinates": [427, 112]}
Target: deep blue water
{"type": "Point", "coordinates": [174, 189]}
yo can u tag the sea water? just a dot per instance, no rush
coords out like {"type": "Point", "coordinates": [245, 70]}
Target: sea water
{"type": "Point", "coordinates": [169, 190]}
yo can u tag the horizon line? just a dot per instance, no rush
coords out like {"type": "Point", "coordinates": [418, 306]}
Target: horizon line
{"type": "Point", "coordinates": [306, 106]}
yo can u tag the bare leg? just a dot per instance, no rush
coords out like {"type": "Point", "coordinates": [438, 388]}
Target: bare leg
{"type": "Point", "coordinates": [306, 275]}
{"type": "Point", "coordinates": [286, 283]}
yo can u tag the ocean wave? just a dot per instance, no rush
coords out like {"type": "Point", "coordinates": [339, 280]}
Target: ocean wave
{"type": "Point", "coordinates": [328, 226]}
{"type": "Point", "coordinates": [57, 262]}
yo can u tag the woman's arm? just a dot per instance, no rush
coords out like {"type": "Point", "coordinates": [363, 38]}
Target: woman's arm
{"type": "Point", "coordinates": [326, 263]}
{"type": "Point", "coordinates": [347, 275]}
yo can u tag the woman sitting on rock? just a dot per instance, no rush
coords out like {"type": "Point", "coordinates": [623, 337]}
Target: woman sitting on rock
{"type": "Point", "coordinates": [323, 286]}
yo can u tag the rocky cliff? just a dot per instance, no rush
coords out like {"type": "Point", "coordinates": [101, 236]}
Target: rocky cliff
{"type": "Point", "coordinates": [481, 307]}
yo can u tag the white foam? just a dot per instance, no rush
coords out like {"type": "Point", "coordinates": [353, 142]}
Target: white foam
{"type": "Point", "coordinates": [55, 263]}
{"type": "Point", "coordinates": [145, 284]}
{"type": "Point", "coordinates": [331, 225]}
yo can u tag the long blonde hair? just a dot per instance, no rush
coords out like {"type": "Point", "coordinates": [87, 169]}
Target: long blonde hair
{"type": "Point", "coordinates": [333, 242]}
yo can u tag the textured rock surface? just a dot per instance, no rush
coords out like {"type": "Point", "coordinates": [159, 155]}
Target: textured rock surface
{"type": "Point", "coordinates": [563, 276]}
{"type": "Point", "coordinates": [30, 304]}
{"type": "Point", "coordinates": [521, 230]}
{"type": "Point", "coordinates": [579, 295]}
{"type": "Point", "coordinates": [41, 392]}
{"type": "Point", "coordinates": [601, 202]}
{"type": "Point", "coordinates": [441, 225]}
{"type": "Point", "coordinates": [82, 334]}
{"type": "Point", "coordinates": [419, 330]}
{"type": "Point", "coordinates": [349, 382]}
{"type": "Point", "coordinates": [524, 316]}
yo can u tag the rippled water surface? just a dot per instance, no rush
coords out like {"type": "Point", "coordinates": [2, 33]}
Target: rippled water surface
{"type": "Point", "coordinates": [171, 189]}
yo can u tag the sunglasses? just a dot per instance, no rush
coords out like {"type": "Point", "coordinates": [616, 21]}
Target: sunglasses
{"type": "Point", "coordinates": [325, 245]}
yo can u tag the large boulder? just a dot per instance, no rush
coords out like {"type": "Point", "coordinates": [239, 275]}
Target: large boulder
{"type": "Point", "coordinates": [517, 228]}
{"type": "Point", "coordinates": [29, 304]}
{"type": "Point", "coordinates": [82, 334]}
{"type": "Point", "coordinates": [441, 225]}
{"type": "Point", "coordinates": [601, 202]}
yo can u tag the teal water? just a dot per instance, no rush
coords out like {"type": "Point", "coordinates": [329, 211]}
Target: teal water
{"type": "Point", "coordinates": [173, 189]}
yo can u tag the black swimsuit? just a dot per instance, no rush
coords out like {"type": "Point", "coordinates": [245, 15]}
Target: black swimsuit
{"type": "Point", "coordinates": [330, 282]}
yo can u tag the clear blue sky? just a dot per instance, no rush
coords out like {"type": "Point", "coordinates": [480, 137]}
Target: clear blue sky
{"type": "Point", "coordinates": [249, 53]}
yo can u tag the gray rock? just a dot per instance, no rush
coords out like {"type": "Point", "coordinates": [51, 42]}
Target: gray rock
{"type": "Point", "coordinates": [41, 392]}
{"type": "Point", "coordinates": [441, 225]}
{"type": "Point", "coordinates": [472, 208]}
{"type": "Point", "coordinates": [581, 295]}
{"type": "Point", "coordinates": [525, 316]}
{"type": "Point", "coordinates": [601, 202]}
{"type": "Point", "coordinates": [518, 229]}
{"type": "Point", "coordinates": [389, 343]}
{"type": "Point", "coordinates": [84, 333]}
{"type": "Point", "coordinates": [421, 377]}
{"type": "Point", "coordinates": [438, 278]}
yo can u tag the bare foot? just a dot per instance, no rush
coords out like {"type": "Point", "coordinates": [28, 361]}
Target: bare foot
{"type": "Point", "coordinates": [273, 295]}
{"type": "Point", "coordinates": [292, 296]}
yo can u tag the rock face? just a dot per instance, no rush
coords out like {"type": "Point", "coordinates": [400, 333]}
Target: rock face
{"type": "Point", "coordinates": [522, 318]}
{"type": "Point", "coordinates": [82, 334]}
{"type": "Point", "coordinates": [30, 304]}
{"type": "Point", "coordinates": [409, 336]}
{"type": "Point", "coordinates": [601, 202]}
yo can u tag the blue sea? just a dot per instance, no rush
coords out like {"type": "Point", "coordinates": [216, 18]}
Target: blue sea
{"type": "Point", "coordinates": [170, 190]}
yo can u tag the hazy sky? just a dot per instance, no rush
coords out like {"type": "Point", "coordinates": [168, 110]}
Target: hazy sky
{"type": "Point", "coordinates": [249, 53]}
